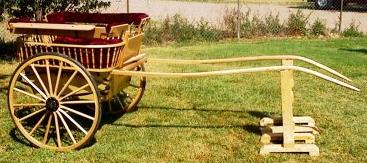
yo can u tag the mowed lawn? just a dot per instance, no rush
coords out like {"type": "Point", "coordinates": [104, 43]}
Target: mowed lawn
{"type": "Point", "coordinates": [216, 119]}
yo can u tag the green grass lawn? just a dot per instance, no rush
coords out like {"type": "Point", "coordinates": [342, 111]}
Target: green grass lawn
{"type": "Point", "coordinates": [216, 119]}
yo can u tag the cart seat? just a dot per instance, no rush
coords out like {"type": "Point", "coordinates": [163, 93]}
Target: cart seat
{"type": "Point", "coordinates": [106, 24]}
{"type": "Point", "coordinates": [85, 41]}
{"type": "Point", "coordinates": [110, 19]}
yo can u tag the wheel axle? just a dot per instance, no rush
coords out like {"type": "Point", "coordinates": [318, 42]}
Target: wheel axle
{"type": "Point", "coordinates": [52, 104]}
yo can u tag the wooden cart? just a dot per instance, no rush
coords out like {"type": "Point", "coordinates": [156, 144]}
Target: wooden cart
{"type": "Point", "coordinates": [57, 92]}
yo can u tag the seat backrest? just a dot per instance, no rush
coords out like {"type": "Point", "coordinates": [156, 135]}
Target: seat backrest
{"type": "Point", "coordinates": [144, 22]}
{"type": "Point", "coordinates": [132, 48]}
{"type": "Point", "coordinates": [118, 31]}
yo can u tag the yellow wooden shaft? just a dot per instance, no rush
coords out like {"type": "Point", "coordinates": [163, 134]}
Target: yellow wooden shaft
{"type": "Point", "coordinates": [252, 58]}
{"type": "Point", "coordinates": [231, 72]}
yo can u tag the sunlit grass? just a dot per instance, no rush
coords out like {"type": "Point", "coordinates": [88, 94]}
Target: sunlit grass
{"type": "Point", "coordinates": [216, 119]}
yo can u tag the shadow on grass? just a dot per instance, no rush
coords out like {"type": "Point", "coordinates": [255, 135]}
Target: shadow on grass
{"type": "Point", "coordinates": [8, 50]}
{"type": "Point", "coordinates": [253, 113]}
{"type": "Point", "coordinates": [111, 118]}
{"type": "Point", "coordinates": [252, 129]}
{"type": "Point", "coordinates": [177, 126]}
{"type": "Point", "coordinates": [18, 137]}
{"type": "Point", "coordinates": [355, 50]}
{"type": "Point", "coordinates": [248, 127]}
{"type": "Point", "coordinates": [4, 83]}
{"type": "Point", "coordinates": [193, 109]}
{"type": "Point", "coordinates": [108, 119]}
{"type": "Point", "coordinates": [259, 114]}
{"type": "Point", "coordinates": [8, 57]}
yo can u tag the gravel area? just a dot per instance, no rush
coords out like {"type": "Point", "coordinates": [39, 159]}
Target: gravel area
{"type": "Point", "coordinates": [213, 12]}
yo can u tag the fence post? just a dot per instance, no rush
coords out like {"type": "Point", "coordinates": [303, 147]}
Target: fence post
{"type": "Point", "coordinates": [238, 20]}
{"type": "Point", "coordinates": [341, 15]}
{"type": "Point", "coordinates": [127, 6]}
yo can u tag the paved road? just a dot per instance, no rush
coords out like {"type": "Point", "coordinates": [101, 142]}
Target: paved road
{"type": "Point", "coordinates": [158, 9]}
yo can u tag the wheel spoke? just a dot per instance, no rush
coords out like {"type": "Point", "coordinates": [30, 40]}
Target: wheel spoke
{"type": "Point", "coordinates": [32, 114]}
{"type": "Point", "coordinates": [37, 124]}
{"type": "Point", "coordinates": [90, 108]}
{"type": "Point", "coordinates": [81, 94]}
{"type": "Point", "coordinates": [78, 102]}
{"type": "Point", "coordinates": [49, 76]}
{"type": "Point", "coordinates": [120, 102]}
{"type": "Point", "coordinates": [77, 112]}
{"type": "Point", "coordinates": [58, 77]}
{"type": "Point", "coordinates": [67, 127]}
{"type": "Point", "coordinates": [109, 106]}
{"type": "Point", "coordinates": [45, 138]}
{"type": "Point", "coordinates": [34, 86]}
{"type": "Point", "coordinates": [57, 131]}
{"type": "Point", "coordinates": [75, 91]}
{"type": "Point", "coordinates": [67, 83]}
{"type": "Point", "coordinates": [30, 104]}
{"type": "Point", "coordinates": [73, 121]}
{"type": "Point", "coordinates": [39, 79]}
{"type": "Point", "coordinates": [29, 94]}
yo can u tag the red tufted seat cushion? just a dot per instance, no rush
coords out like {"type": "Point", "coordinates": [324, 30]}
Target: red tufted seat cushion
{"type": "Point", "coordinates": [85, 41]}
{"type": "Point", "coordinates": [110, 19]}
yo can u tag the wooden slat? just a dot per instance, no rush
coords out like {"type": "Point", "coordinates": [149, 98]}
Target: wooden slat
{"type": "Point", "coordinates": [312, 149]}
{"type": "Point", "coordinates": [48, 26]}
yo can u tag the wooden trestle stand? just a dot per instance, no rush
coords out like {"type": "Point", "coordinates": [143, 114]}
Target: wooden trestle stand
{"type": "Point", "coordinates": [289, 133]}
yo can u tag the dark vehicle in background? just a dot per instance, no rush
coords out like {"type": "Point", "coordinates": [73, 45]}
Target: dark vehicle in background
{"type": "Point", "coordinates": [330, 4]}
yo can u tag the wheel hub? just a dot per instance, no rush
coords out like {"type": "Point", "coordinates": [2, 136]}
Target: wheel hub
{"type": "Point", "coordinates": [52, 104]}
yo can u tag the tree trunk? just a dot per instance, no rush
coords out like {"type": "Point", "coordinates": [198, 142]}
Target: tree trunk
{"type": "Point", "coordinates": [38, 10]}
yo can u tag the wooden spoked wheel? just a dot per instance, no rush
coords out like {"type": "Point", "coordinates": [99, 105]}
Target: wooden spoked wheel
{"type": "Point", "coordinates": [54, 102]}
{"type": "Point", "coordinates": [128, 99]}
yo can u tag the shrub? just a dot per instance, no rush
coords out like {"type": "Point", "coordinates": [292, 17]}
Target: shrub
{"type": "Point", "coordinates": [258, 26]}
{"type": "Point", "coordinates": [297, 24]}
{"type": "Point", "coordinates": [251, 25]}
{"type": "Point", "coordinates": [206, 32]}
{"type": "Point", "coordinates": [352, 31]}
{"type": "Point", "coordinates": [180, 30]}
{"type": "Point", "coordinates": [246, 25]}
{"type": "Point", "coordinates": [273, 25]}
{"type": "Point", "coordinates": [318, 28]}
{"type": "Point", "coordinates": [255, 26]}
{"type": "Point", "coordinates": [8, 49]}
{"type": "Point", "coordinates": [229, 23]}
{"type": "Point", "coordinates": [153, 34]}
